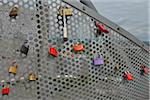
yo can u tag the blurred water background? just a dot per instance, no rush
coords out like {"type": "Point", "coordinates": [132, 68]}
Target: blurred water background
{"type": "Point", "coordinates": [132, 15]}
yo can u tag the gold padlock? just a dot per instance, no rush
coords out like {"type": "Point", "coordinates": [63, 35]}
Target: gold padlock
{"type": "Point", "coordinates": [67, 11]}
{"type": "Point", "coordinates": [106, 60]}
{"type": "Point", "coordinates": [14, 12]}
{"type": "Point", "coordinates": [13, 69]}
{"type": "Point", "coordinates": [117, 67]}
{"type": "Point", "coordinates": [32, 77]}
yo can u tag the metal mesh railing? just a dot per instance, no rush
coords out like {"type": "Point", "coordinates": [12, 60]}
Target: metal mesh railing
{"type": "Point", "coordinates": [69, 75]}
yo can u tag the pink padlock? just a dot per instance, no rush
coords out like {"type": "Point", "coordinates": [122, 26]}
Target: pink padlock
{"type": "Point", "coordinates": [144, 70]}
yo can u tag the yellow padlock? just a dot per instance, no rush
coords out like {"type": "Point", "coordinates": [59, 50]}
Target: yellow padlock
{"type": "Point", "coordinates": [13, 69]}
{"type": "Point", "coordinates": [67, 11]}
{"type": "Point", "coordinates": [32, 77]}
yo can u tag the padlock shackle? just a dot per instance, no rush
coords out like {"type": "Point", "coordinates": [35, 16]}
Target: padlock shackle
{"type": "Point", "coordinates": [143, 66]}
{"type": "Point", "coordinates": [126, 72]}
{"type": "Point", "coordinates": [16, 66]}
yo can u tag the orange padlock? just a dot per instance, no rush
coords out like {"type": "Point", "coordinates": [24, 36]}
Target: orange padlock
{"type": "Point", "coordinates": [78, 47]}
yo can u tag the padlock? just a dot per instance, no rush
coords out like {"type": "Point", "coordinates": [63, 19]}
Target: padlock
{"type": "Point", "coordinates": [32, 77]}
{"type": "Point", "coordinates": [144, 70]}
{"type": "Point", "coordinates": [102, 28]}
{"type": "Point", "coordinates": [128, 76]}
{"type": "Point", "coordinates": [98, 61]}
{"type": "Point", "coordinates": [116, 68]}
{"type": "Point", "coordinates": [64, 11]}
{"type": "Point", "coordinates": [24, 49]}
{"type": "Point", "coordinates": [53, 52]}
{"type": "Point", "coordinates": [65, 34]}
{"type": "Point", "coordinates": [13, 69]}
{"type": "Point", "coordinates": [5, 91]}
{"type": "Point", "coordinates": [14, 12]}
{"type": "Point", "coordinates": [67, 11]}
{"type": "Point", "coordinates": [78, 47]}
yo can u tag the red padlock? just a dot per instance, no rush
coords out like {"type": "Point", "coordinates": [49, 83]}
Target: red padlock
{"type": "Point", "coordinates": [53, 52]}
{"type": "Point", "coordinates": [128, 76]}
{"type": "Point", "coordinates": [102, 28]}
{"type": "Point", "coordinates": [5, 91]}
{"type": "Point", "coordinates": [78, 47]}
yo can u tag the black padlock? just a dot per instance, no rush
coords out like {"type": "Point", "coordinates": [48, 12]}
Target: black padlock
{"type": "Point", "coordinates": [24, 49]}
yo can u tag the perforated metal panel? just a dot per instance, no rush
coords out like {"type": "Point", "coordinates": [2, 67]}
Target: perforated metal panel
{"type": "Point", "coordinates": [71, 75]}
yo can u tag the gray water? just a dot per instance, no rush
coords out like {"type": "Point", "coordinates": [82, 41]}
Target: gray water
{"type": "Point", "coordinates": [132, 15]}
